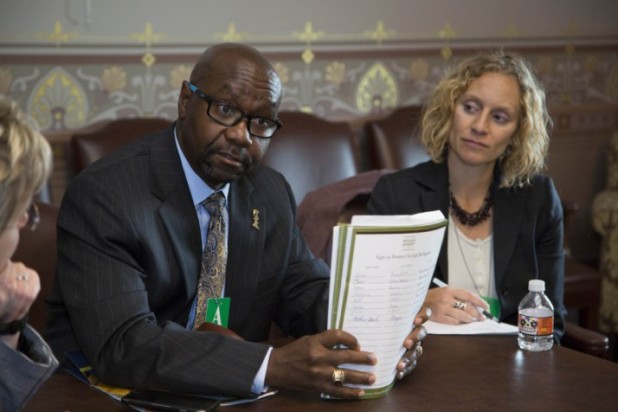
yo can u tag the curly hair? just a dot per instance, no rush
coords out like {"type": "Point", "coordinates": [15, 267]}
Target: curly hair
{"type": "Point", "coordinates": [25, 162]}
{"type": "Point", "coordinates": [528, 150]}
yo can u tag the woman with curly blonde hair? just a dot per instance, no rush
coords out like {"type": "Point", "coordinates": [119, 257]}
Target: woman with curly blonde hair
{"type": "Point", "coordinates": [25, 164]}
{"type": "Point", "coordinates": [486, 130]}
{"type": "Point", "coordinates": [525, 155]}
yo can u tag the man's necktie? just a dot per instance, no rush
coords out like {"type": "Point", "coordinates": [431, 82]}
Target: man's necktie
{"type": "Point", "coordinates": [214, 259]}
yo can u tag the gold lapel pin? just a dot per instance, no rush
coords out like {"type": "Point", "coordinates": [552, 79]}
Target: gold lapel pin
{"type": "Point", "coordinates": [256, 219]}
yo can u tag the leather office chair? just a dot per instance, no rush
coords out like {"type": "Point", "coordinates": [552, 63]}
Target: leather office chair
{"type": "Point", "coordinates": [312, 152]}
{"type": "Point", "coordinates": [92, 144]}
{"type": "Point", "coordinates": [337, 202]}
{"type": "Point", "coordinates": [393, 141]}
{"type": "Point", "coordinates": [582, 294]}
{"type": "Point", "coordinates": [37, 250]}
{"type": "Point", "coordinates": [309, 151]}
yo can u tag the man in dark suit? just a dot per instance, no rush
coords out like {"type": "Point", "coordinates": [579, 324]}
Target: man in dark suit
{"type": "Point", "coordinates": [131, 232]}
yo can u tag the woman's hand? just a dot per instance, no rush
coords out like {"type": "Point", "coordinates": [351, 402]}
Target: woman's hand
{"type": "Point", "coordinates": [455, 306]}
{"type": "Point", "coordinates": [413, 344]}
{"type": "Point", "coordinates": [19, 287]}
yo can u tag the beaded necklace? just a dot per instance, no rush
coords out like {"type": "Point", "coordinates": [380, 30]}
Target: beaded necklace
{"type": "Point", "coordinates": [473, 219]}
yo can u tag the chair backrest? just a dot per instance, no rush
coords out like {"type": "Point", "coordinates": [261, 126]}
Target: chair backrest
{"type": "Point", "coordinates": [93, 144]}
{"type": "Point", "coordinates": [393, 141]}
{"type": "Point", "coordinates": [312, 152]}
{"type": "Point", "coordinates": [330, 204]}
{"type": "Point", "coordinates": [37, 250]}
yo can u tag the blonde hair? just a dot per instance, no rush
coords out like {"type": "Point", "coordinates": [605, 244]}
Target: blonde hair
{"type": "Point", "coordinates": [25, 162]}
{"type": "Point", "coordinates": [526, 155]}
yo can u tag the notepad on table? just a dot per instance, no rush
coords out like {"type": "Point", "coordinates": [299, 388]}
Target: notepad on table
{"type": "Point", "coordinates": [485, 327]}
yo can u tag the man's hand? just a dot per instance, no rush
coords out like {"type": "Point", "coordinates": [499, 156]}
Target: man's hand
{"type": "Point", "coordinates": [413, 344]}
{"type": "Point", "coordinates": [309, 364]}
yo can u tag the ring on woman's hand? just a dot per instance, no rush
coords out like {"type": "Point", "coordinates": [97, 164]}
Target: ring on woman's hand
{"type": "Point", "coordinates": [428, 312]}
{"type": "Point", "coordinates": [338, 376]}
{"type": "Point", "coordinates": [23, 276]}
{"type": "Point", "coordinates": [460, 304]}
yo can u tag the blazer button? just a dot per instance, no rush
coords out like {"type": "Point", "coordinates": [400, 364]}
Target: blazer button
{"type": "Point", "coordinates": [505, 291]}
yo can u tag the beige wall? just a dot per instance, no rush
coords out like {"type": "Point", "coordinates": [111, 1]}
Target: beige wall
{"type": "Point", "coordinates": [193, 23]}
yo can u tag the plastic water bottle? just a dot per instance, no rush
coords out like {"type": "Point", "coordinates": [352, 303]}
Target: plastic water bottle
{"type": "Point", "coordinates": [535, 319]}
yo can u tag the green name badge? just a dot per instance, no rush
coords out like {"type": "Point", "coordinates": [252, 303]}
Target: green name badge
{"type": "Point", "coordinates": [218, 311]}
{"type": "Point", "coordinates": [494, 306]}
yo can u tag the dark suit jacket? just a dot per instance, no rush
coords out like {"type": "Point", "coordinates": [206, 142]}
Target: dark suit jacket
{"type": "Point", "coordinates": [129, 251]}
{"type": "Point", "coordinates": [527, 231]}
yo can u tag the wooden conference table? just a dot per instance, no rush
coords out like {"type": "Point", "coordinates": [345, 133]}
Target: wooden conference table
{"type": "Point", "coordinates": [456, 373]}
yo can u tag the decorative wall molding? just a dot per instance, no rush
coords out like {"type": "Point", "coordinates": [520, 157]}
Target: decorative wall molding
{"type": "Point", "coordinates": [70, 91]}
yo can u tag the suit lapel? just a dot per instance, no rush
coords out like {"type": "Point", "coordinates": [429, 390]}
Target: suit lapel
{"type": "Point", "coordinates": [435, 178]}
{"type": "Point", "coordinates": [177, 211]}
{"type": "Point", "coordinates": [246, 237]}
{"type": "Point", "coordinates": [508, 217]}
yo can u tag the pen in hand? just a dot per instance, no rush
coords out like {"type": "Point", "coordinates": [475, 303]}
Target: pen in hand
{"type": "Point", "coordinates": [488, 315]}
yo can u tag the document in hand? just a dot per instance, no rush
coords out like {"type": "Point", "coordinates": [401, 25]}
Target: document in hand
{"type": "Point", "coordinates": [380, 274]}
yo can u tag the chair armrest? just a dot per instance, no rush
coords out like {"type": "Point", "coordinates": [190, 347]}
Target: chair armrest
{"type": "Point", "coordinates": [570, 210]}
{"type": "Point", "coordinates": [585, 340]}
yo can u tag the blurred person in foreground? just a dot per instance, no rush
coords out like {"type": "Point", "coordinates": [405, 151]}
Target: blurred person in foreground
{"type": "Point", "coordinates": [25, 164]}
{"type": "Point", "coordinates": [486, 130]}
{"type": "Point", "coordinates": [132, 233]}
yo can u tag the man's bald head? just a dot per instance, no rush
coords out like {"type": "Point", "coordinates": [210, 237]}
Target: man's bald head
{"type": "Point", "coordinates": [222, 59]}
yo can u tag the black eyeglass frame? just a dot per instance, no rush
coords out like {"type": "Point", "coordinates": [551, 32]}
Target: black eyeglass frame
{"type": "Point", "coordinates": [210, 100]}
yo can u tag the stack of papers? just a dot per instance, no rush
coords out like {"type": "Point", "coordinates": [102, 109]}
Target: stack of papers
{"type": "Point", "coordinates": [380, 273]}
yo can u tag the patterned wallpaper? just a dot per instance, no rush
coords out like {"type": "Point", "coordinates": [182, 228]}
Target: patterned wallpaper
{"type": "Point", "coordinates": [67, 92]}
{"type": "Point", "coordinates": [67, 76]}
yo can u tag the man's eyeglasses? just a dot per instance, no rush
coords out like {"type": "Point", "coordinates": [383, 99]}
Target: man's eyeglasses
{"type": "Point", "coordinates": [228, 115]}
{"type": "Point", "coordinates": [33, 217]}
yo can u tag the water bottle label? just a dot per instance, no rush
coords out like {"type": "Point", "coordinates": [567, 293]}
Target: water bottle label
{"type": "Point", "coordinates": [532, 325]}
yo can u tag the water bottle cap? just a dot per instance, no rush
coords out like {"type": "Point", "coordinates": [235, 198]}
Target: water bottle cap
{"type": "Point", "coordinates": [536, 285]}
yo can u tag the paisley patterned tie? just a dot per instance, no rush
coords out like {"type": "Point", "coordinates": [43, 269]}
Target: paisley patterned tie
{"type": "Point", "coordinates": [214, 259]}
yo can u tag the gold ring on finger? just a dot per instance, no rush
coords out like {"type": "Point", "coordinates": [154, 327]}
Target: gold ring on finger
{"type": "Point", "coordinates": [338, 376]}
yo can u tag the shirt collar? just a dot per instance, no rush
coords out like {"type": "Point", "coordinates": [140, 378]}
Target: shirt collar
{"type": "Point", "coordinates": [198, 188]}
